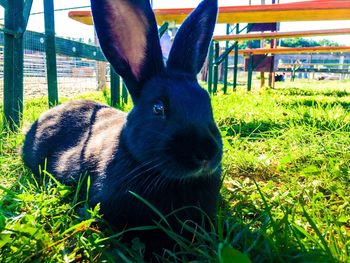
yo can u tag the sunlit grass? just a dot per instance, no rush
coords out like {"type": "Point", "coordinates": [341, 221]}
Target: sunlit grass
{"type": "Point", "coordinates": [285, 194]}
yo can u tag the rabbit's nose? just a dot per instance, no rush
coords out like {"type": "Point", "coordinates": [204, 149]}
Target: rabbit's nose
{"type": "Point", "coordinates": [197, 147]}
{"type": "Point", "coordinates": [205, 151]}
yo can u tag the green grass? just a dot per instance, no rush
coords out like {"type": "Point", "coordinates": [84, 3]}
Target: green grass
{"type": "Point", "coordinates": [285, 194]}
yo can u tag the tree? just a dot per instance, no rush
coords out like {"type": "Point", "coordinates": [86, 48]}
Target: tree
{"type": "Point", "coordinates": [302, 42]}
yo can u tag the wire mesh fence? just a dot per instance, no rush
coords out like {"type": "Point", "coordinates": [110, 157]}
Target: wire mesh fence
{"type": "Point", "coordinates": [75, 74]}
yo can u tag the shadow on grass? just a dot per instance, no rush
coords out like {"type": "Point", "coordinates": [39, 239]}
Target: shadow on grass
{"type": "Point", "coordinates": [266, 129]}
{"type": "Point", "coordinates": [302, 92]}
{"type": "Point", "coordinates": [315, 104]}
{"type": "Point", "coordinates": [253, 130]}
{"type": "Point", "coordinates": [323, 124]}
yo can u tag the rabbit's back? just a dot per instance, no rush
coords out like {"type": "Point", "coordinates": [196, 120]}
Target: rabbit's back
{"type": "Point", "coordinates": [74, 138]}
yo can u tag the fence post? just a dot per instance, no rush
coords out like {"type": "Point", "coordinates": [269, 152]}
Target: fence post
{"type": "Point", "coordinates": [13, 63]}
{"type": "Point", "coordinates": [210, 67]}
{"type": "Point", "coordinates": [216, 67]}
{"type": "Point", "coordinates": [3, 3]}
{"type": "Point", "coordinates": [235, 63]}
{"type": "Point", "coordinates": [228, 31]}
{"type": "Point", "coordinates": [115, 88]}
{"type": "Point", "coordinates": [125, 94]}
{"type": "Point", "coordinates": [50, 45]}
{"type": "Point", "coordinates": [250, 71]}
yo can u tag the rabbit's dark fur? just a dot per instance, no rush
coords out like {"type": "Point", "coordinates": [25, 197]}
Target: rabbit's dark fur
{"type": "Point", "coordinates": [167, 149]}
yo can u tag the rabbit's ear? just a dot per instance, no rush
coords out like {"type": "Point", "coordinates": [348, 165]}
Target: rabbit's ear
{"type": "Point", "coordinates": [192, 41]}
{"type": "Point", "coordinates": [128, 35]}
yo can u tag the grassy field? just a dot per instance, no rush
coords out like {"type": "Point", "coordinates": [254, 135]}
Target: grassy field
{"type": "Point", "coordinates": [285, 194]}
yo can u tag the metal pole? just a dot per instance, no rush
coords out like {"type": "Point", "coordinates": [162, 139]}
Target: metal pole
{"type": "Point", "coordinates": [216, 67]}
{"type": "Point", "coordinates": [26, 12]}
{"type": "Point", "coordinates": [272, 66]}
{"type": "Point", "coordinates": [293, 73]}
{"type": "Point", "coordinates": [13, 64]}
{"type": "Point", "coordinates": [3, 3]}
{"type": "Point", "coordinates": [250, 72]}
{"type": "Point", "coordinates": [228, 27]}
{"type": "Point", "coordinates": [235, 63]}
{"type": "Point", "coordinates": [210, 67]}
{"type": "Point", "coordinates": [115, 88]}
{"type": "Point", "coordinates": [125, 94]}
{"type": "Point", "coordinates": [50, 44]}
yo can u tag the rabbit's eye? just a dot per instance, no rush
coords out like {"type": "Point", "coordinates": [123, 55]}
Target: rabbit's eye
{"type": "Point", "coordinates": [158, 109]}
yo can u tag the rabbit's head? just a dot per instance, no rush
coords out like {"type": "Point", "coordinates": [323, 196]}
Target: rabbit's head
{"type": "Point", "coordinates": [171, 127]}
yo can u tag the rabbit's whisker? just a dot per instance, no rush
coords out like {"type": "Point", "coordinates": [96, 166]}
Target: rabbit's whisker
{"type": "Point", "coordinates": [157, 181]}
{"type": "Point", "coordinates": [145, 180]}
{"type": "Point", "coordinates": [126, 177]}
{"type": "Point", "coordinates": [136, 176]}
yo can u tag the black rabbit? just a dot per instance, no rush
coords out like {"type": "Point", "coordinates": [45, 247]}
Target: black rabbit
{"type": "Point", "coordinates": [167, 150]}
